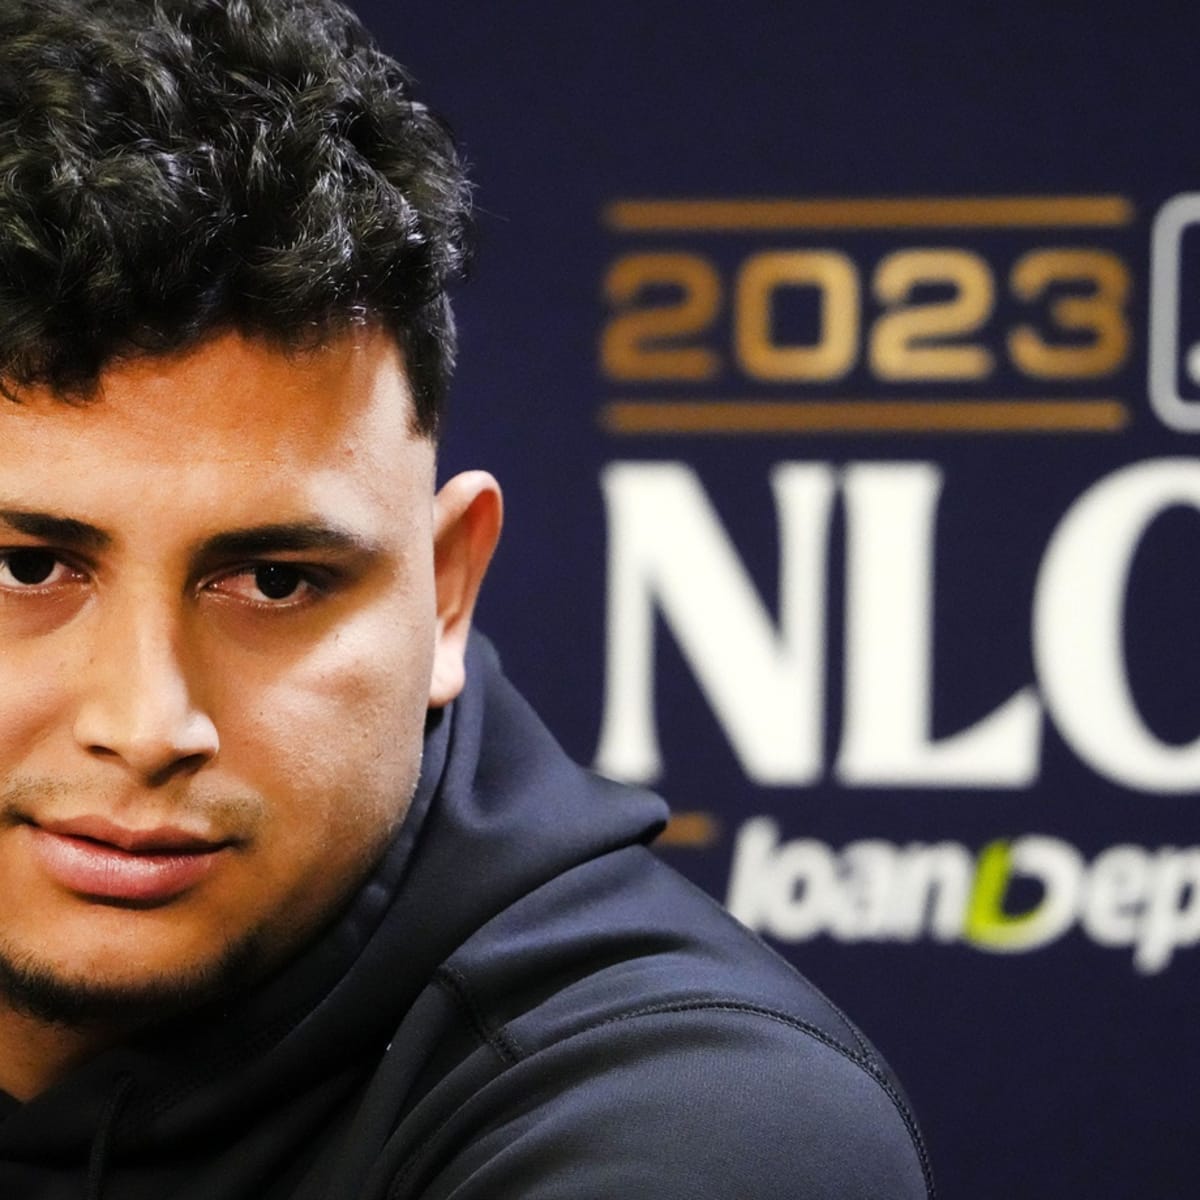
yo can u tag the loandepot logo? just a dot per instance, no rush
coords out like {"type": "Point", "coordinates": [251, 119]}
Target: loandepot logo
{"type": "Point", "coordinates": [1010, 897]}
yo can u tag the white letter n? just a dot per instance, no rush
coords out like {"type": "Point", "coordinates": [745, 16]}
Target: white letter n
{"type": "Point", "coordinates": [668, 553]}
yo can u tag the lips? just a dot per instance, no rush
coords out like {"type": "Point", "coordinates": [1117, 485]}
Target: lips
{"type": "Point", "coordinates": [99, 860]}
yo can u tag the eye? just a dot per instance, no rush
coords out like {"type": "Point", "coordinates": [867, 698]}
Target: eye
{"type": "Point", "coordinates": [278, 581]}
{"type": "Point", "coordinates": [268, 583]}
{"type": "Point", "coordinates": [31, 568]}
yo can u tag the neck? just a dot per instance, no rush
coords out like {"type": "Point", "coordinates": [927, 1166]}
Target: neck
{"type": "Point", "coordinates": [36, 1054]}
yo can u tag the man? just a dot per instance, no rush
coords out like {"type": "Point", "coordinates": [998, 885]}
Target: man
{"type": "Point", "coordinates": [297, 898]}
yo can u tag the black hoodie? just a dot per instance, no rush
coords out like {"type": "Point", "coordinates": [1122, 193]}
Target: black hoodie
{"type": "Point", "coordinates": [521, 1003]}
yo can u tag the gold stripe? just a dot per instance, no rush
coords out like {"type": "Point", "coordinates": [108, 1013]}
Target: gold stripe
{"type": "Point", "coordinates": [693, 830]}
{"type": "Point", "coordinates": [888, 212]}
{"type": "Point", "coordinates": [863, 416]}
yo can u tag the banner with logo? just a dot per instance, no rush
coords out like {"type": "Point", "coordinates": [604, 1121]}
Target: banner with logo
{"type": "Point", "coordinates": [841, 364]}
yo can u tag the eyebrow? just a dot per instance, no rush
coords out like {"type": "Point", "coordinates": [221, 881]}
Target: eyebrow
{"type": "Point", "coordinates": [291, 535]}
{"type": "Point", "coordinates": [235, 543]}
{"type": "Point", "coordinates": [51, 528]}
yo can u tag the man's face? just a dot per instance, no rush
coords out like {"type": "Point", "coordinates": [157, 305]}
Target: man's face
{"type": "Point", "coordinates": [218, 626]}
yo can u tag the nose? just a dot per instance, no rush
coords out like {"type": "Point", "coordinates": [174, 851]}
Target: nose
{"type": "Point", "coordinates": [138, 706]}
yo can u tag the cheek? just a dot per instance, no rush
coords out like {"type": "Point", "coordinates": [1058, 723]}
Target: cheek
{"type": "Point", "coordinates": [342, 722]}
{"type": "Point", "coordinates": [35, 698]}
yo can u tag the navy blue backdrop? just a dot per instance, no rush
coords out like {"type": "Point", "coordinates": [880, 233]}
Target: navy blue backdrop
{"type": "Point", "coordinates": [803, 326]}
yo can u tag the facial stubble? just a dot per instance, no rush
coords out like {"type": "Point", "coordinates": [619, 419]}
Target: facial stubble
{"type": "Point", "coordinates": [34, 988]}
{"type": "Point", "coordinates": [31, 985]}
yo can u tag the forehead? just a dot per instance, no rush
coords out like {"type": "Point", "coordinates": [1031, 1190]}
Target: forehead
{"type": "Point", "coordinates": [231, 424]}
{"type": "Point", "coordinates": [231, 382]}
{"type": "Point", "coordinates": [230, 386]}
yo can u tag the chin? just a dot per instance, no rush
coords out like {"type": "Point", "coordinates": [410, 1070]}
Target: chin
{"type": "Point", "coordinates": [49, 993]}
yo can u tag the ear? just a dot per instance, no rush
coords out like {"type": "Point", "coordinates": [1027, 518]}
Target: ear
{"type": "Point", "coordinates": [467, 514]}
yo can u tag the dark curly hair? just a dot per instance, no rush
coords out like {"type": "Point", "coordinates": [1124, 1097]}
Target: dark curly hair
{"type": "Point", "coordinates": [170, 169]}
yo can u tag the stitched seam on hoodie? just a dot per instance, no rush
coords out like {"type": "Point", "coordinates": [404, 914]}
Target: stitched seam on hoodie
{"type": "Point", "coordinates": [863, 1049]}
{"type": "Point", "coordinates": [747, 936]}
{"type": "Point", "coordinates": [498, 1038]}
{"type": "Point", "coordinates": [864, 1064]}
